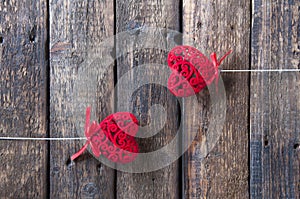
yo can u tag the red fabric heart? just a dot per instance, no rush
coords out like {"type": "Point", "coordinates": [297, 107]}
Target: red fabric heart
{"type": "Point", "coordinates": [113, 137]}
{"type": "Point", "coordinates": [191, 70]}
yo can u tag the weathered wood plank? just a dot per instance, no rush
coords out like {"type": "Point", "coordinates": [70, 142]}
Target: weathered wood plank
{"type": "Point", "coordinates": [163, 183]}
{"type": "Point", "coordinates": [275, 104]}
{"type": "Point", "coordinates": [77, 26]}
{"type": "Point", "coordinates": [217, 26]}
{"type": "Point", "coordinates": [23, 79]}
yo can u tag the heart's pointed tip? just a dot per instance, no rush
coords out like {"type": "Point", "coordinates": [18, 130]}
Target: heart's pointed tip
{"type": "Point", "coordinates": [98, 155]}
{"type": "Point", "coordinates": [183, 95]}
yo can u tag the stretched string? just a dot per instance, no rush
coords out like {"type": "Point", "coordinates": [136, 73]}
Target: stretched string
{"type": "Point", "coordinates": [261, 70]}
{"type": "Point", "coordinates": [42, 139]}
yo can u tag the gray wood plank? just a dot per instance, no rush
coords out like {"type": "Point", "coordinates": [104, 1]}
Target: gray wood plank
{"type": "Point", "coordinates": [77, 26]}
{"type": "Point", "coordinates": [217, 26]}
{"type": "Point", "coordinates": [23, 79]}
{"type": "Point", "coordinates": [275, 105]}
{"type": "Point", "coordinates": [163, 183]}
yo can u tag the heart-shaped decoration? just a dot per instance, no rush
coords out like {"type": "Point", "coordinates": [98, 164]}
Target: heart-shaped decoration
{"type": "Point", "coordinates": [191, 70]}
{"type": "Point", "coordinates": [113, 137]}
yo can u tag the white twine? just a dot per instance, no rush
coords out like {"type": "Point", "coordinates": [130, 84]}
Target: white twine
{"type": "Point", "coordinates": [41, 139]}
{"type": "Point", "coordinates": [261, 70]}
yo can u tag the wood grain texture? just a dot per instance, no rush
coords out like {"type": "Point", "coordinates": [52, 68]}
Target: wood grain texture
{"type": "Point", "coordinates": [23, 78]}
{"type": "Point", "coordinates": [217, 26]}
{"type": "Point", "coordinates": [76, 27]}
{"type": "Point", "coordinates": [275, 104]}
{"type": "Point", "coordinates": [163, 183]}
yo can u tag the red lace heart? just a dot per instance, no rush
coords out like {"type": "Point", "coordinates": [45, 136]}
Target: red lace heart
{"type": "Point", "coordinates": [113, 137]}
{"type": "Point", "coordinates": [191, 70]}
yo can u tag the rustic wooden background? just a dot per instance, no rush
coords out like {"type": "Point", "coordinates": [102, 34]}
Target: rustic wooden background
{"type": "Point", "coordinates": [42, 42]}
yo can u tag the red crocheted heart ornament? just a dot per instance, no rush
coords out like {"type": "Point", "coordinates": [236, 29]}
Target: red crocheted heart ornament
{"type": "Point", "coordinates": [112, 138]}
{"type": "Point", "coordinates": [191, 70]}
